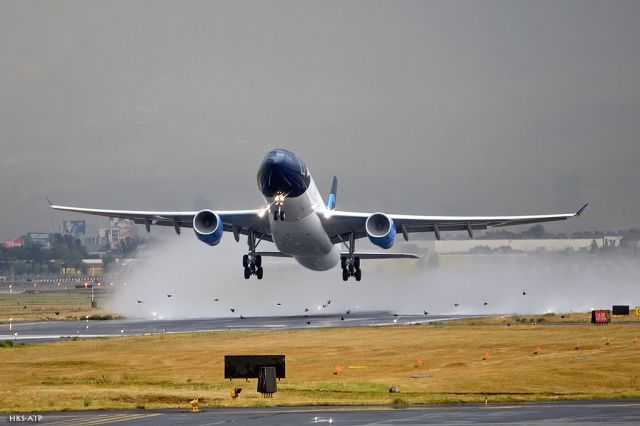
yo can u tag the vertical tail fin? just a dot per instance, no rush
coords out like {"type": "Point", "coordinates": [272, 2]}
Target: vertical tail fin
{"type": "Point", "coordinates": [331, 203]}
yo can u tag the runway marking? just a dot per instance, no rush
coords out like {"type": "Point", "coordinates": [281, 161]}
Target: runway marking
{"type": "Point", "coordinates": [101, 419]}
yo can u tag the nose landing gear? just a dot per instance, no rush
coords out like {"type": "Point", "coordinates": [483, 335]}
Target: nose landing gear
{"type": "Point", "coordinates": [278, 202]}
{"type": "Point", "coordinates": [278, 214]}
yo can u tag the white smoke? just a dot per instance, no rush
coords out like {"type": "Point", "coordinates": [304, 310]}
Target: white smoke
{"type": "Point", "coordinates": [195, 274]}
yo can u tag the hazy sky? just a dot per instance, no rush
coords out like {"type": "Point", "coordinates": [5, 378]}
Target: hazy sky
{"type": "Point", "coordinates": [422, 107]}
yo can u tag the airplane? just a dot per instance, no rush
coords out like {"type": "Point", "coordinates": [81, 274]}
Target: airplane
{"type": "Point", "coordinates": [299, 223]}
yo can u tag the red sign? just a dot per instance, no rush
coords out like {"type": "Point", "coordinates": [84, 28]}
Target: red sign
{"type": "Point", "coordinates": [601, 316]}
{"type": "Point", "coordinates": [16, 242]}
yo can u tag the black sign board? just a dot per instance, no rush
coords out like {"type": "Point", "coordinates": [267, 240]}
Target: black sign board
{"type": "Point", "coordinates": [248, 366]}
{"type": "Point", "coordinates": [620, 309]}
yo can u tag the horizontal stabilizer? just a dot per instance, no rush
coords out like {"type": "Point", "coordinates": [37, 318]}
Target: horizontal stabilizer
{"type": "Point", "coordinates": [384, 255]}
{"type": "Point", "coordinates": [272, 254]}
{"type": "Point", "coordinates": [360, 255]}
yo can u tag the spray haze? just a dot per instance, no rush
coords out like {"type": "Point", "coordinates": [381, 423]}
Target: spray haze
{"type": "Point", "coordinates": [194, 275]}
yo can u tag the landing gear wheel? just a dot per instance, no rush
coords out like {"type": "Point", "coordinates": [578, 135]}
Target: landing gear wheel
{"type": "Point", "coordinates": [345, 275]}
{"type": "Point", "coordinates": [245, 260]}
{"type": "Point", "coordinates": [282, 215]}
{"type": "Point", "coordinates": [358, 274]}
{"type": "Point", "coordinates": [259, 273]}
{"type": "Point", "coordinates": [343, 262]}
{"type": "Point", "coordinates": [247, 273]}
{"type": "Point", "coordinates": [356, 262]}
{"type": "Point", "coordinates": [258, 261]}
{"type": "Point", "coordinates": [275, 215]}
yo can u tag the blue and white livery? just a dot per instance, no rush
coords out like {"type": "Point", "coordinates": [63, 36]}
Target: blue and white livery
{"type": "Point", "coordinates": [302, 226]}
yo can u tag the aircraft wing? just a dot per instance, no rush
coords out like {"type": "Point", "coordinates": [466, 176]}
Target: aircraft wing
{"type": "Point", "coordinates": [340, 224]}
{"type": "Point", "coordinates": [240, 221]}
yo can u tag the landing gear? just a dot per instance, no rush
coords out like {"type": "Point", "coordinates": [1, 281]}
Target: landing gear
{"type": "Point", "coordinates": [278, 214]}
{"type": "Point", "coordinates": [349, 263]}
{"type": "Point", "coordinates": [278, 202]}
{"type": "Point", "coordinates": [350, 268]}
{"type": "Point", "coordinates": [252, 262]}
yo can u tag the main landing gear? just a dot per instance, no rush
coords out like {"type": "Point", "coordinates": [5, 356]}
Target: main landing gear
{"type": "Point", "coordinates": [350, 264]}
{"type": "Point", "coordinates": [350, 267]}
{"type": "Point", "coordinates": [252, 262]}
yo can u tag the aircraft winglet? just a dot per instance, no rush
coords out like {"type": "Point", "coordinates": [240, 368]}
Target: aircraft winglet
{"type": "Point", "coordinates": [579, 212]}
{"type": "Point", "coordinates": [48, 201]}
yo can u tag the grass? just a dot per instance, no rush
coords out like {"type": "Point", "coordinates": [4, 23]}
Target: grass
{"type": "Point", "coordinates": [563, 318]}
{"type": "Point", "coordinates": [52, 305]}
{"type": "Point", "coordinates": [465, 364]}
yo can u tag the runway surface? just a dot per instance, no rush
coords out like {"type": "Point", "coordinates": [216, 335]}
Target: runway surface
{"type": "Point", "coordinates": [30, 331]}
{"type": "Point", "coordinates": [622, 412]}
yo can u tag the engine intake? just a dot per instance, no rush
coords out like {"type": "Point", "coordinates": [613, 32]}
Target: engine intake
{"type": "Point", "coordinates": [381, 230]}
{"type": "Point", "coordinates": [208, 227]}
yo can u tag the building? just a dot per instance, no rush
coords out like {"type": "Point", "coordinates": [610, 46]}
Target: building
{"type": "Point", "coordinates": [95, 267]}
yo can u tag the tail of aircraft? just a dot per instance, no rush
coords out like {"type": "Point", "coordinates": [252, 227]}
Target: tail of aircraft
{"type": "Point", "coordinates": [331, 203]}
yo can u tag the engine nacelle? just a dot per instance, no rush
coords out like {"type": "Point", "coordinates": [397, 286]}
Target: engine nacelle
{"type": "Point", "coordinates": [381, 230]}
{"type": "Point", "coordinates": [208, 227]}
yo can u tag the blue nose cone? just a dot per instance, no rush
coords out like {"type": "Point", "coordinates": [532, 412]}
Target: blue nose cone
{"type": "Point", "coordinates": [282, 171]}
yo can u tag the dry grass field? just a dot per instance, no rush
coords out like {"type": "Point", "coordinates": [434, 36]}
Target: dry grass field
{"type": "Point", "coordinates": [459, 364]}
{"type": "Point", "coordinates": [49, 305]}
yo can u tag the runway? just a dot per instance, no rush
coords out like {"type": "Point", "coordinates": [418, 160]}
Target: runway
{"type": "Point", "coordinates": [622, 412]}
{"type": "Point", "coordinates": [32, 331]}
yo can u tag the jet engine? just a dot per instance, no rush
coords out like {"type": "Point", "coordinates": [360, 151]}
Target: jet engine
{"type": "Point", "coordinates": [208, 227]}
{"type": "Point", "coordinates": [381, 230]}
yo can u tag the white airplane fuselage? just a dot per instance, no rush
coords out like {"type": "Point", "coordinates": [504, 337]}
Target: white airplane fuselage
{"type": "Point", "coordinates": [301, 234]}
